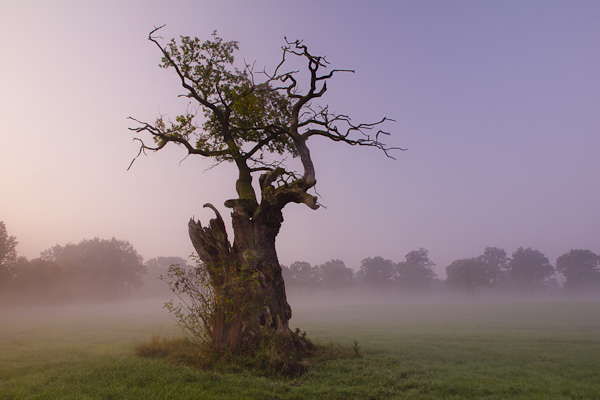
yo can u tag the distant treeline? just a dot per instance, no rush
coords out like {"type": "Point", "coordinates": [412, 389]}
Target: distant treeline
{"type": "Point", "coordinates": [527, 271]}
{"type": "Point", "coordinates": [100, 269]}
{"type": "Point", "coordinates": [414, 274]}
{"type": "Point", "coordinates": [93, 269]}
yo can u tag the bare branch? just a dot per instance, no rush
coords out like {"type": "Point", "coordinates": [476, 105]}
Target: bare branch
{"type": "Point", "coordinates": [214, 165]}
{"type": "Point", "coordinates": [333, 133]}
{"type": "Point", "coordinates": [236, 132]}
{"type": "Point", "coordinates": [143, 148]}
{"type": "Point", "coordinates": [166, 137]}
{"type": "Point", "coordinates": [154, 30]}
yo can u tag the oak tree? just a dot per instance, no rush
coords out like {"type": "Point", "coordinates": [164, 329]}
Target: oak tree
{"type": "Point", "coordinates": [256, 121]}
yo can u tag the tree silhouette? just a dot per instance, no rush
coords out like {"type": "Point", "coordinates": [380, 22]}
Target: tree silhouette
{"type": "Point", "coordinates": [416, 272]}
{"type": "Point", "coordinates": [335, 275]}
{"type": "Point", "coordinates": [581, 269]}
{"type": "Point", "coordinates": [468, 274]}
{"type": "Point", "coordinates": [8, 255]}
{"type": "Point", "coordinates": [254, 120]}
{"type": "Point", "coordinates": [109, 268]}
{"type": "Point", "coordinates": [376, 272]}
{"type": "Point", "coordinates": [528, 269]}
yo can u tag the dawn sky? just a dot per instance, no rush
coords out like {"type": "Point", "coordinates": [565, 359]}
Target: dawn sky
{"type": "Point", "coordinates": [497, 102]}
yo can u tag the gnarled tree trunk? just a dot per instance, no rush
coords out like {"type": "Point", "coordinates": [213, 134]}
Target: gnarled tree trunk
{"type": "Point", "coordinates": [247, 274]}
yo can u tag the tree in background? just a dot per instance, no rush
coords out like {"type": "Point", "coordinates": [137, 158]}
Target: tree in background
{"type": "Point", "coordinates": [335, 275]}
{"type": "Point", "coordinates": [161, 264]}
{"type": "Point", "coordinates": [581, 269]}
{"type": "Point", "coordinates": [416, 273]}
{"type": "Point", "coordinates": [8, 255]}
{"type": "Point", "coordinates": [497, 262]}
{"type": "Point", "coordinates": [109, 268]}
{"type": "Point", "coordinates": [420, 257]}
{"type": "Point", "coordinates": [157, 267]}
{"type": "Point", "coordinates": [43, 280]}
{"type": "Point", "coordinates": [301, 275]}
{"type": "Point", "coordinates": [254, 125]}
{"type": "Point", "coordinates": [468, 274]}
{"type": "Point", "coordinates": [376, 272]}
{"type": "Point", "coordinates": [331, 275]}
{"type": "Point", "coordinates": [488, 270]}
{"type": "Point", "coordinates": [528, 269]}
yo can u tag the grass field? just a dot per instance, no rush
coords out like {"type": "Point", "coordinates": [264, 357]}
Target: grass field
{"type": "Point", "coordinates": [528, 350]}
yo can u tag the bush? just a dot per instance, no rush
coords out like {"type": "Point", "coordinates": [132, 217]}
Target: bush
{"type": "Point", "coordinates": [282, 355]}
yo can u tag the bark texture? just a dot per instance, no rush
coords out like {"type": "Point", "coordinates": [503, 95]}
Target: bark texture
{"type": "Point", "coordinates": [247, 273]}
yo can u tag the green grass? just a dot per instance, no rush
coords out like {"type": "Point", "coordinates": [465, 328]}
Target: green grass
{"type": "Point", "coordinates": [411, 351]}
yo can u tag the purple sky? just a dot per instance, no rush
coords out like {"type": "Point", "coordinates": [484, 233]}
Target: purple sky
{"type": "Point", "coordinates": [497, 102]}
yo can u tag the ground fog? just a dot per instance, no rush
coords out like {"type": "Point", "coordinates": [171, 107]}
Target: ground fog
{"type": "Point", "coordinates": [422, 348]}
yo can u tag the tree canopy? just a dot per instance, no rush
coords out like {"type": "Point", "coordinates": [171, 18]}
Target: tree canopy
{"type": "Point", "coordinates": [302, 275]}
{"type": "Point", "coordinates": [497, 263]}
{"type": "Point", "coordinates": [416, 273]}
{"type": "Point", "coordinates": [96, 269]}
{"type": "Point", "coordinates": [581, 269]}
{"type": "Point", "coordinates": [468, 274]}
{"type": "Point", "coordinates": [331, 275]}
{"type": "Point", "coordinates": [488, 270]}
{"type": "Point", "coordinates": [376, 271]}
{"type": "Point", "coordinates": [110, 268]}
{"type": "Point", "coordinates": [529, 268]}
{"type": "Point", "coordinates": [247, 120]}
{"type": "Point", "coordinates": [335, 275]}
{"type": "Point", "coordinates": [8, 254]}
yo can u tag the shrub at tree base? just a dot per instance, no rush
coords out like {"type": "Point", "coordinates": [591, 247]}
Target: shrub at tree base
{"type": "Point", "coordinates": [214, 315]}
{"type": "Point", "coordinates": [282, 355]}
{"type": "Point", "coordinates": [214, 320]}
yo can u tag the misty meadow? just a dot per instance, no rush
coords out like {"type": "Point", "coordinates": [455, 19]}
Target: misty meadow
{"type": "Point", "coordinates": [448, 251]}
{"type": "Point", "coordinates": [73, 322]}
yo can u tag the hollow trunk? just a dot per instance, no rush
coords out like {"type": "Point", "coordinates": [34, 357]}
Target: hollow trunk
{"type": "Point", "coordinates": [246, 278]}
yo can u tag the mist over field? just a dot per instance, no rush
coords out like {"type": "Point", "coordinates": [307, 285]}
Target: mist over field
{"type": "Point", "coordinates": [429, 344]}
{"type": "Point", "coordinates": [101, 270]}
{"type": "Point", "coordinates": [427, 349]}
{"type": "Point", "coordinates": [380, 199]}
